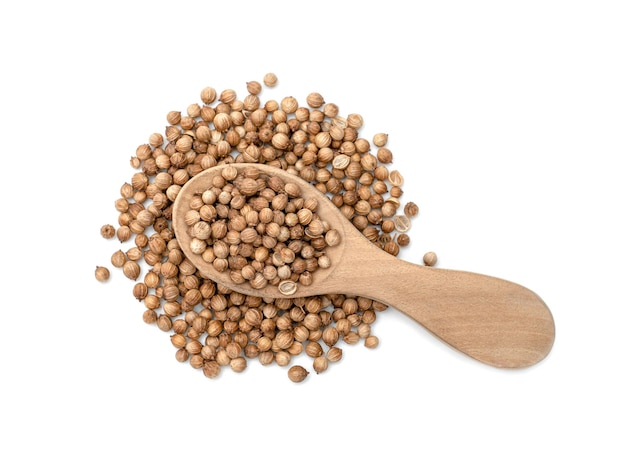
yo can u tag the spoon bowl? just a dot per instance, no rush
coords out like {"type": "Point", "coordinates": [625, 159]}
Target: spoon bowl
{"type": "Point", "coordinates": [492, 320]}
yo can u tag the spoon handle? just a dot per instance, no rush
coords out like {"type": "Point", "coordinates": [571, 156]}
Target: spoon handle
{"type": "Point", "coordinates": [494, 321]}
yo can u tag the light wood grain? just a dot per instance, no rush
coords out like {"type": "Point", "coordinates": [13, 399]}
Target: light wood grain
{"type": "Point", "coordinates": [492, 320]}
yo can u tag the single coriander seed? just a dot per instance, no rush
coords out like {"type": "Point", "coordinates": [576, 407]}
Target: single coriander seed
{"type": "Point", "coordinates": [118, 259]}
{"type": "Point", "coordinates": [403, 223]}
{"type": "Point", "coordinates": [107, 231]}
{"type": "Point", "coordinates": [287, 287]}
{"type": "Point", "coordinates": [314, 100]}
{"type": "Point", "coordinates": [380, 139]}
{"type": "Point", "coordinates": [403, 239]}
{"type": "Point", "coordinates": [102, 273]}
{"type": "Point", "coordinates": [391, 247]}
{"type": "Point", "coordinates": [297, 373]}
{"type": "Point", "coordinates": [371, 342]}
{"type": "Point", "coordinates": [238, 364]}
{"type": "Point", "coordinates": [334, 354]}
{"type": "Point", "coordinates": [254, 87]}
{"type": "Point", "coordinates": [396, 178]}
{"type": "Point", "coordinates": [384, 155]}
{"type": "Point", "coordinates": [208, 95]}
{"type": "Point", "coordinates": [411, 209]}
{"type": "Point", "coordinates": [270, 80]}
{"type": "Point", "coordinates": [211, 369]}
{"type": "Point", "coordinates": [173, 117]}
{"type": "Point", "coordinates": [430, 259]}
{"type": "Point", "coordinates": [131, 270]}
{"type": "Point", "coordinates": [320, 364]}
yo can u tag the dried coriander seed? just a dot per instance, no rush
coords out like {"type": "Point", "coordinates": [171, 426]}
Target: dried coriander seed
{"type": "Point", "coordinates": [320, 364]}
{"type": "Point", "coordinates": [384, 155]}
{"type": "Point", "coordinates": [285, 242]}
{"type": "Point", "coordinates": [341, 161]}
{"type": "Point", "coordinates": [254, 87]}
{"type": "Point", "coordinates": [297, 374]}
{"type": "Point", "coordinates": [371, 342]}
{"type": "Point", "coordinates": [131, 270]}
{"type": "Point", "coordinates": [238, 364]}
{"type": "Point", "coordinates": [140, 291]}
{"type": "Point", "coordinates": [102, 274]}
{"type": "Point", "coordinates": [396, 178]}
{"type": "Point", "coordinates": [411, 209]}
{"type": "Point", "coordinates": [287, 287]}
{"type": "Point", "coordinates": [314, 100]}
{"type": "Point", "coordinates": [334, 354]}
{"type": "Point", "coordinates": [403, 240]}
{"type": "Point", "coordinates": [430, 259]}
{"type": "Point", "coordinates": [107, 231]}
{"type": "Point", "coordinates": [207, 95]}
{"type": "Point", "coordinates": [118, 259]}
{"type": "Point", "coordinates": [211, 369]}
{"type": "Point", "coordinates": [380, 139]}
{"type": "Point", "coordinates": [270, 80]}
{"type": "Point", "coordinates": [403, 223]}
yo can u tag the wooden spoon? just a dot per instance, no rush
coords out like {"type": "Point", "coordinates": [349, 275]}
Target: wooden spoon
{"type": "Point", "coordinates": [494, 321]}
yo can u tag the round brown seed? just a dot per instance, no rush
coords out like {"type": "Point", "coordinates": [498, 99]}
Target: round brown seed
{"type": "Point", "coordinates": [297, 373]}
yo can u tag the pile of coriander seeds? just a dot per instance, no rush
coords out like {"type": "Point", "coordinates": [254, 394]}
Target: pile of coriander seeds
{"type": "Point", "coordinates": [258, 229]}
{"type": "Point", "coordinates": [210, 326]}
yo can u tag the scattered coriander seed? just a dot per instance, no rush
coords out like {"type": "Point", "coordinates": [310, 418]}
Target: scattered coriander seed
{"type": "Point", "coordinates": [354, 120]}
{"type": "Point", "coordinates": [238, 364]}
{"type": "Point", "coordinates": [297, 373]}
{"type": "Point", "coordinates": [182, 355]}
{"type": "Point", "coordinates": [403, 240]}
{"type": "Point", "coordinates": [134, 253]}
{"type": "Point", "coordinates": [371, 342]}
{"type": "Point", "coordinates": [396, 178]}
{"type": "Point", "coordinates": [254, 87]}
{"type": "Point", "coordinates": [320, 364]}
{"type": "Point", "coordinates": [207, 95]}
{"type": "Point", "coordinates": [334, 354]}
{"type": "Point", "coordinates": [140, 291]}
{"type": "Point", "coordinates": [283, 358]}
{"type": "Point", "coordinates": [123, 233]}
{"type": "Point", "coordinates": [107, 231]}
{"type": "Point", "coordinates": [380, 139]}
{"type": "Point", "coordinates": [395, 192]}
{"type": "Point", "coordinates": [403, 223]}
{"type": "Point", "coordinates": [313, 349]}
{"type": "Point", "coordinates": [102, 274]}
{"type": "Point", "coordinates": [384, 155]}
{"type": "Point", "coordinates": [351, 338]}
{"type": "Point", "coordinates": [211, 369]}
{"type": "Point", "coordinates": [363, 330]}
{"type": "Point", "coordinates": [330, 336]}
{"type": "Point", "coordinates": [173, 117]}
{"type": "Point", "coordinates": [411, 209]}
{"type": "Point", "coordinates": [270, 80]}
{"type": "Point", "coordinates": [131, 270]}
{"type": "Point", "coordinates": [391, 247]}
{"type": "Point", "coordinates": [314, 100]}
{"type": "Point", "coordinates": [149, 316]}
{"type": "Point", "coordinates": [430, 259]}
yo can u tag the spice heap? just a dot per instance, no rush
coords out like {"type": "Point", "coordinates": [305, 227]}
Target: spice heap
{"type": "Point", "coordinates": [259, 229]}
{"type": "Point", "coordinates": [211, 326]}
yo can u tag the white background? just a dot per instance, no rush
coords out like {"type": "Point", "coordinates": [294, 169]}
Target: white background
{"type": "Point", "coordinates": [507, 120]}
